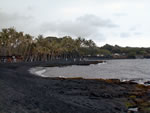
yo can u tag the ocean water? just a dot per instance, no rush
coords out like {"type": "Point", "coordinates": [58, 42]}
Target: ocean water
{"type": "Point", "coordinates": [137, 70]}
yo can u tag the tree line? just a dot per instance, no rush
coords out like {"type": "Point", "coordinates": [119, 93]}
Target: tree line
{"type": "Point", "coordinates": [40, 48]}
{"type": "Point", "coordinates": [128, 52]}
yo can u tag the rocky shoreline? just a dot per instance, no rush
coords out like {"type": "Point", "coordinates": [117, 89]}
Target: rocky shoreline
{"type": "Point", "coordinates": [22, 92]}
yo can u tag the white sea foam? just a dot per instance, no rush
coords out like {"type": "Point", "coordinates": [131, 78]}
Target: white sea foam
{"type": "Point", "coordinates": [133, 109]}
{"type": "Point", "coordinates": [40, 72]}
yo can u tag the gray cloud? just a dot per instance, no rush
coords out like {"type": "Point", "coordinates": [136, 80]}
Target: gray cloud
{"type": "Point", "coordinates": [120, 14]}
{"type": "Point", "coordinates": [135, 27]}
{"type": "Point", "coordinates": [29, 8]}
{"type": "Point", "coordinates": [125, 35]}
{"type": "Point", "coordinates": [16, 20]}
{"type": "Point", "coordinates": [128, 34]}
{"type": "Point", "coordinates": [137, 33]}
{"type": "Point", "coordinates": [84, 26]}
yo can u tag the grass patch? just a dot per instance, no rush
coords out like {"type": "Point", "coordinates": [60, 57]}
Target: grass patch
{"type": "Point", "coordinates": [132, 96]}
{"type": "Point", "coordinates": [129, 104]}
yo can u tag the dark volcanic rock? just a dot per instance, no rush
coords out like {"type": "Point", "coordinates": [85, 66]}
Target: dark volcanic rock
{"type": "Point", "coordinates": [21, 92]}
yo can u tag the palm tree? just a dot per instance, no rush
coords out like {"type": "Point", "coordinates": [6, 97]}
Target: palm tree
{"type": "Point", "coordinates": [4, 41]}
{"type": "Point", "coordinates": [43, 49]}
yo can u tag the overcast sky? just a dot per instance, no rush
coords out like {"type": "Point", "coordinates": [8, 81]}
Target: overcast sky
{"type": "Point", "coordinates": [121, 22]}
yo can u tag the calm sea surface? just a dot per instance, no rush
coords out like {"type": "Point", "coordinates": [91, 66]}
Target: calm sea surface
{"type": "Point", "coordinates": [138, 70]}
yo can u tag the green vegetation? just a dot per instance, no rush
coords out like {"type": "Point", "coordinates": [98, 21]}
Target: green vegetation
{"type": "Point", "coordinates": [29, 48]}
{"type": "Point", "coordinates": [13, 43]}
{"type": "Point", "coordinates": [129, 104]}
{"type": "Point", "coordinates": [128, 52]}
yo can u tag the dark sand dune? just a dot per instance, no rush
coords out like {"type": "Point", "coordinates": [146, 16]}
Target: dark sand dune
{"type": "Point", "coordinates": [22, 92]}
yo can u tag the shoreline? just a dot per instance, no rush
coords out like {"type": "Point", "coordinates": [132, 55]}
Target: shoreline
{"type": "Point", "coordinates": [39, 71]}
{"type": "Point", "coordinates": [24, 92]}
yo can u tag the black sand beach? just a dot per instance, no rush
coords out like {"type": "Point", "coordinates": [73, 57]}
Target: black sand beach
{"type": "Point", "coordinates": [22, 92]}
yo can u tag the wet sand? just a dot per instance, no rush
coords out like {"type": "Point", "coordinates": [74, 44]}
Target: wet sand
{"type": "Point", "coordinates": [22, 92]}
